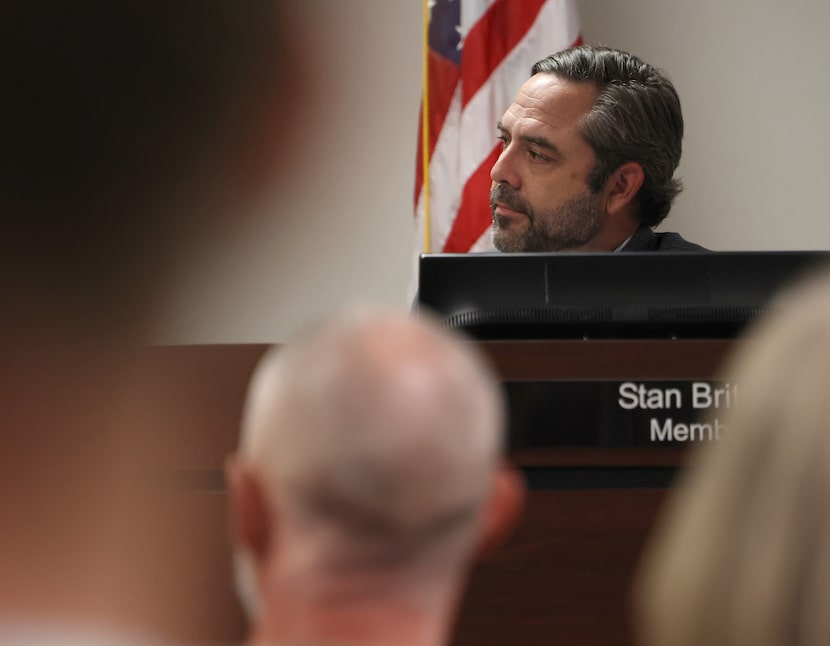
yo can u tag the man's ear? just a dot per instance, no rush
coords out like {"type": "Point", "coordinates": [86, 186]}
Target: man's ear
{"type": "Point", "coordinates": [262, 145]}
{"type": "Point", "coordinates": [502, 509]}
{"type": "Point", "coordinates": [250, 520]}
{"type": "Point", "coordinates": [622, 187]}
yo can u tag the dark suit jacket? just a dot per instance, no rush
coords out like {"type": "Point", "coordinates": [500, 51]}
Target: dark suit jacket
{"type": "Point", "coordinates": [644, 239]}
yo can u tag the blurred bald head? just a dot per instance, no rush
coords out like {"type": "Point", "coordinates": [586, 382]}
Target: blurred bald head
{"type": "Point", "coordinates": [375, 438]}
{"type": "Point", "coordinates": [368, 478]}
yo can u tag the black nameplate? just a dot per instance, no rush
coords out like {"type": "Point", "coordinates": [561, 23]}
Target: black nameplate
{"type": "Point", "coordinates": [617, 413]}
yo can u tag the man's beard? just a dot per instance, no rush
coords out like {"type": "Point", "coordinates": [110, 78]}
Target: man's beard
{"type": "Point", "coordinates": [567, 226]}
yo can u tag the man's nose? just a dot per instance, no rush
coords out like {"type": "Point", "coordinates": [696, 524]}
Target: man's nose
{"type": "Point", "coordinates": [504, 170]}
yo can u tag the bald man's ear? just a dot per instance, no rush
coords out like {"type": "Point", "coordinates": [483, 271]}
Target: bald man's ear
{"type": "Point", "coordinates": [250, 520]}
{"type": "Point", "coordinates": [622, 187]}
{"type": "Point", "coordinates": [503, 509]}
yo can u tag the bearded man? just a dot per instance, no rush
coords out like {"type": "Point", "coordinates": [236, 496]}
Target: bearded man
{"type": "Point", "coordinates": [589, 149]}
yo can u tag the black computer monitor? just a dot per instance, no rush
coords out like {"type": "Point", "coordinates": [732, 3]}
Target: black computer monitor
{"type": "Point", "coordinates": [607, 295]}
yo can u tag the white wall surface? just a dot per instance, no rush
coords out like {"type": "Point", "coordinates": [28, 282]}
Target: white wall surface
{"type": "Point", "coordinates": [342, 226]}
{"type": "Point", "coordinates": [753, 81]}
{"type": "Point", "coordinates": [754, 84]}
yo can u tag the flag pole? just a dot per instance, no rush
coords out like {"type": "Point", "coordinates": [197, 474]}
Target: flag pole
{"type": "Point", "coordinates": [425, 131]}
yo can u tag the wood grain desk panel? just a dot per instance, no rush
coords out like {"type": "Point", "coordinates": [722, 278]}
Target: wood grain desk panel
{"type": "Point", "coordinates": [629, 359]}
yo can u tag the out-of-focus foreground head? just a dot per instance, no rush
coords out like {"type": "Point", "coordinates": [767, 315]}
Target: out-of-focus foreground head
{"type": "Point", "coordinates": [742, 556]}
{"type": "Point", "coordinates": [127, 127]}
{"type": "Point", "coordinates": [370, 460]}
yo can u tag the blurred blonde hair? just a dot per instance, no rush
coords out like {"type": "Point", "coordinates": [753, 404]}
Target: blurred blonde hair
{"type": "Point", "coordinates": [742, 553]}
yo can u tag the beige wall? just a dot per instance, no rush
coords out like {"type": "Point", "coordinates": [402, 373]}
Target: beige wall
{"type": "Point", "coordinates": [341, 227]}
{"type": "Point", "coordinates": [752, 76]}
{"type": "Point", "coordinates": [755, 88]}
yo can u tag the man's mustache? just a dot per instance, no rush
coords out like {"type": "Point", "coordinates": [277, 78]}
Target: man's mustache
{"type": "Point", "coordinates": [506, 196]}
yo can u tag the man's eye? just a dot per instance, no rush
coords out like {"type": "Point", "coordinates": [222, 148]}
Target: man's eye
{"type": "Point", "coordinates": [503, 140]}
{"type": "Point", "coordinates": [536, 156]}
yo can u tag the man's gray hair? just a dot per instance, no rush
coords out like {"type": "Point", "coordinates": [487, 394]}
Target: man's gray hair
{"type": "Point", "coordinates": [636, 117]}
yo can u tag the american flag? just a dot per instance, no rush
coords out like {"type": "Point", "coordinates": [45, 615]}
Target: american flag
{"type": "Point", "coordinates": [479, 53]}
